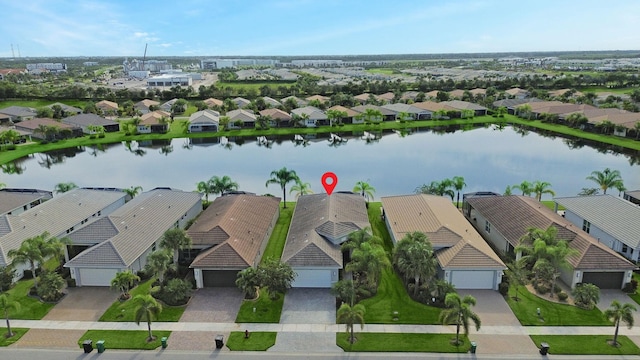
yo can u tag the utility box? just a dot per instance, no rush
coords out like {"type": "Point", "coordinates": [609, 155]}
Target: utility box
{"type": "Point", "coordinates": [100, 346]}
{"type": "Point", "coordinates": [87, 345]}
{"type": "Point", "coordinates": [219, 341]}
{"type": "Point", "coordinates": [544, 348]}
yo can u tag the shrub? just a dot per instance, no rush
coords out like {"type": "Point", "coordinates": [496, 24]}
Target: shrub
{"type": "Point", "coordinates": [7, 275]}
{"type": "Point", "coordinates": [631, 287]}
{"type": "Point", "coordinates": [50, 286]}
{"type": "Point", "coordinates": [176, 292]}
{"type": "Point", "coordinates": [542, 289]}
{"type": "Point", "coordinates": [92, 136]}
{"type": "Point", "coordinates": [586, 296]}
{"type": "Point", "coordinates": [557, 289]}
{"type": "Point", "coordinates": [143, 275]}
{"type": "Point", "coordinates": [563, 296]}
{"type": "Point", "coordinates": [101, 135]}
{"type": "Point", "coordinates": [503, 288]}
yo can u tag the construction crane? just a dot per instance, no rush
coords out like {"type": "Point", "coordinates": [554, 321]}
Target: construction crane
{"type": "Point", "coordinates": [144, 57]}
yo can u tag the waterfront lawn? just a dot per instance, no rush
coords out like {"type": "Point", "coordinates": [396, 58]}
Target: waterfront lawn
{"type": "Point", "coordinates": [392, 295]}
{"type": "Point", "coordinates": [125, 310]}
{"type": "Point", "coordinates": [124, 339]}
{"type": "Point", "coordinates": [31, 308]}
{"type": "Point", "coordinates": [399, 342]}
{"type": "Point", "coordinates": [17, 334]}
{"type": "Point", "coordinates": [257, 341]}
{"type": "Point", "coordinates": [586, 344]}
{"type": "Point", "coordinates": [553, 314]}
{"type": "Point", "coordinates": [267, 310]}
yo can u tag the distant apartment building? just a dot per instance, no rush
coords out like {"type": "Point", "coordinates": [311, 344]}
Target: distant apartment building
{"type": "Point", "coordinates": [212, 64]}
{"type": "Point", "coordinates": [170, 80]}
{"type": "Point", "coordinates": [154, 66]}
{"type": "Point", "coordinates": [90, 63]}
{"type": "Point", "coordinates": [51, 67]}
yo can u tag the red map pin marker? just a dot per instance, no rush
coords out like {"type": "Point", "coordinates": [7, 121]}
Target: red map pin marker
{"type": "Point", "coordinates": [329, 182]}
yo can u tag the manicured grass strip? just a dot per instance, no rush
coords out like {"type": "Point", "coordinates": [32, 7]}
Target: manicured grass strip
{"type": "Point", "coordinates": [257, 341]}
{"type": "Point", "coordinates": [30, 308]}
{"type": "Point", "coordinates": [125, 311]}
{"type": "Point", "coordinates": [124, 339]}
{"type": "Point", "coordinates": [267, 310]}
{"type": "Point", "coordinates": [17, 334]}
{"type": "Point", "coordinates": [392, 295]}
{"type": "Point", "coordinates": [586, 344]}
{"type": "Point", "coordinates": [551, 205]}
{"type": "Point", "coordinates": [554, 314]}
{"type": "Point", "coordinates": [279, 234]}
{"type": "Point", "coordinates": [636, 296]}
{"type": "Point", "coordinates": [398, 342]}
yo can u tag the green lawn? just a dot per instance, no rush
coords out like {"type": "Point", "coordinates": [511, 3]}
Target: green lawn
{"type": "Point", "coordinates": [553, 314]}
{"type": "Point", "coordinates": [279, 234]}
{"type": "Point", "coordinates": [17, 334]}
{"type": "Point", "coordinates": [30, 308]}
{"type": "Point", "coordinates": [41, 103]}
{"type": "Point", "coordinates": [257, 341]}
{"type": "Point", "coordinates": [636, 296]}
{"type": "Point", "coordinates": [237, 85]}
{"type": "Point", "coordinates": [267, 311]}
{"type": "Point", "coordinates": [586, 344]}
{"type": "Point", "coordinates": [551, 205]}
{"type": "Point", "coordinates": [598, 89]}
{"type": "Point", "coordinates": [124, 339]}
{"type": "Point", "coordinates": [125, 311]}
{"type": "Point", "coordinates": [392, 295]}
{"type": "Point", "coordinates": [397, 342]}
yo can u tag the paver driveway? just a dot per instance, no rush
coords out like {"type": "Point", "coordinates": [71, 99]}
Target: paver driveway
{"type": "Point", "coordinates": [213, 305]}
{"type": "Point", "coordinates": [608, 295]}
{"type": "Point", "coordinates": [308, 306]}
{"type": "Point", "coordinates": [83, 304]}
{"type": "Point", "coordinates": [492, 308]}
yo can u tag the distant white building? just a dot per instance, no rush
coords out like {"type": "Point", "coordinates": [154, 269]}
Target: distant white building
{"type": "Point", "coordinates": [52, 67]}
{"type": "Point", "coordinates": [170, 80]}
{"type": "Point", "coordinates": [212, 64]}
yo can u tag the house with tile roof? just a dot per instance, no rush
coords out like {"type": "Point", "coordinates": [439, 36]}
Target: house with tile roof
{"type": "Point", "coordinates": [204, 121]}
{"type": "Point", "coordinates": [68, 110]}
{"type": "Point", "coordinates": [320, 224]}
{"type": "Point", "coordinates": [414, 112]}
{"type": "Point", "coordinates": [387, 114]}
{"type": "Point", "coordinates": [465, 260]}
{"type": "Point", "coordinates": [231, 235]}
{"type": "Point", "coordinates": [19, 113]}
{"type": "Point", "coordinates": [35, 127]}
{"type": "Point", "coordinates": [59, 216]}
{"type": "Point", "coordinates": [155, 122]}
{"type": "Point", "coordinates": [386, 98]}
{"type": "Point", "coordinates": [320, 98]}
{"type": "Point", "coordinates": [211, 102]}
{"type": "Point", "coordinates": [241, 102]}
{"type": "Point", "coordinates": [123, 239]}
{"type": "Point", "coordinates": [351, 117]}
{"type": "Point", "coordinates": [85, 121]}
{"type": "Point", "coordinates": [504, 220]}
{"type": "Point", "coordinates": [517, 93]}
{"type": "Point", "coordinates": [632, 196]}
{"type": "Point", "coordinates": [277, 117]}
{"type": "Point", "coordinates": [144, 106]}
{"type": "Point", "coordinates": [313, 116]}
{"type": "Point", "coordinates": [108, 108]}
{"type": "Point", "coordinates": [16, 201]}
{"type": "Point", "coordinates": [459, 105]}
{"type": "Point", "coordinates": [241, 118]}
{"type": "Point", "coordinates": [271, 102]}
{"type": "Point", "coordinates": [614, 221]}
{"type": "Point", "coordinates": [299, 102]}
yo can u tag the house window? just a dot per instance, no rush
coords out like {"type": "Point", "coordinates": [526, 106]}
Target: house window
{"type": "Point", "coordinates": [624, 248]}
{"type": "Point", "coordinates": [586, 226]}
{"type": "Point", "coordinates": [487, 226]}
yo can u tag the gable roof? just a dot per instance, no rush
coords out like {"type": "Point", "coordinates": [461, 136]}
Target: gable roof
{"type": "Point", "coordinates": [241, 102]}
{"type": "Point", "coordinates": [350, 113]}
{"type": "Point", "coordinates": [313, 112]}
{"type": "Point", "coordinates": [613, 215]}
{"type": "Point", "coordinates": [12, 199]}
{"type": "Point", "coordinates": [409, 109]}
{"type": "Point", "coordinates": [276, 114]}
{"type": "Point", "coordinates": [300, 102]}
{"type": "Point", "coordinates": [145, 104]}
{"type": "Point", "coordinates": [213, 102]}
{"type": "Point", "coordinates": [34, 124]}
{"type": "Point", "coordinates": [205, 116]}
{"type": "Point", "coordinates": [363, 109]}
{"type": "Point", "coordinates": [433, 106]}
{"type": "Point", "coordinates": [19, 111]}
{"type": "Point", "coordinates": [154, 117]}
{"type": "Point", "coordinates": [106, 104]}
{"type": "Point", "coordinates": [457, 243]}
{"type": "Point", "coordinates": [138, 223]}
{"type": "Point", "coordinates": [463, 105]}
{"type": "Point", "coordinates": [271, 101]}
{"type": "Point", "coordinates": [512, 215]}
{"type": "Point", "coordinates": [320, 98]}
{"type": "Point", "coordinates": [319, 224]}
{"type": "Point", "coordinates": [66, 108]}
{"type": "Point", "coordinates": [88, 119]}
{"type": "Point", "coordinates": [241, 114]}
{"type": "Point", "coordinates": [235, 227]}
{"type": "Point", "coordinates": [516, 91]}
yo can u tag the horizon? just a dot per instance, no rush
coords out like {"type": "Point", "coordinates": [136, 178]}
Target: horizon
{"type": "Point", "coordinates": [286, 28]}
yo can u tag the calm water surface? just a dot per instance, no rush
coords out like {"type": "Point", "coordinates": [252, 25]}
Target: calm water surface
{"type": "Point", "coordinates": [488, 159]}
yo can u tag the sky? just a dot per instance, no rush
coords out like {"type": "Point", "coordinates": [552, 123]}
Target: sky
{"type": "Point", "coordinates": [313, 27]}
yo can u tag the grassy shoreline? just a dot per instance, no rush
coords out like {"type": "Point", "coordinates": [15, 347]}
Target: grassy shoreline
{"type": "Point", "coordinates": [178, 131]}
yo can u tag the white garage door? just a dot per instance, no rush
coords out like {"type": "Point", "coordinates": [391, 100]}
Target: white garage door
{"type": "Point", "coordinates": [471, 279]}
{"type": "Point", "coordinates": [312, 278]}
{"type": "Point", "coordinates": [96, 277]}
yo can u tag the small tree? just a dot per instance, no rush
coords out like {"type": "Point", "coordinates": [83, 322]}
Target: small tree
{"type": "Point", "coordinates": [344, 290]}
{"type": "Point", "coordinates": [147, 309]}
{"type": "Point", "coordinates": [275, 276]}
{"type": "Point", "coordinates": [586, 296]}
{"type": "Point", "coordinates": [365, 189]}
{"type": "Point", "coordinates": [350, 316]}
{"type": "Point", "coordinates": [459, 312]}
{"type": "Point", "coordinates": [124, 281]}
{"type": "Point", "coordinates": [177, 292]}
{"type": "Point", "coordinates": [617, 313]}
{"type": "Point", "coordinates": [158, 262]}
{"type": "Point", "coordinates": [51, 286]}
{"type": "Point", "coordinates": [7, 305]}
{"type": "Point", "coordinates": [247, 281]}
{"type": "Point", "coordinates": [7, 274]}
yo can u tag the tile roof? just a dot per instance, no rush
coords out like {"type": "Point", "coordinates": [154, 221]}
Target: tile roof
{"type": "Point", "coordinates": [139, 223]}
{"type": "Point", "coordinates": [463, 105]}
{"type": "Point", "coordinates": [320, 223]}
{"type": "Point", "coordinates": [271, 101]}
{"type": "Point", "coordinates": [613, 215]}
{"type": "Point", "coordinates": [55, 216]}
{"type": "Point", "coordinates": [320, 98]}
{"type": "Point", "coordinates": [18, 111]}
{"type": "Point", "coordinates": [241, 114]}
{"type": "Point", "coordinates": [144, 104]}
{"type": "Point", "coordinates": [516, 91]}
{"type": "Point", "coordinates": [363, 109]}
{"type": "Point", "coordinates": [106, 104]}
{"type": "Point", "coordinates": [205, 116]}
{"type": "Point", "coordinates": [34, 123]}
{"type": "Point", "coordinates": [457, 243]}
{"type": "Point", "coordinates": [300, 102]}
{"type": "Point", "coordinates": [313, 112]}
{"type": "Point", "coordinates": [513, 215]}
{"type": "Point", "coordinates": [213, 102]}
{"type": "Point", "coordinates": [12, 200]}
{"type": "Point", "coordinates": [66, 108]}
{"type": "Point", "coordinates": [276, 114]}
{"type": "Point", "coordinates": [350, 113]}
{"type": "Point", "coordinates": [409, 109]}
{"type": "Point", "coordinates": [432, 106]}
{"type": "Point", "coordinates": [235, 227]}
{"type": "Point", "coordinates": [88, 119]}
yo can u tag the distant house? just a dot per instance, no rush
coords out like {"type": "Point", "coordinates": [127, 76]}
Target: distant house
{"type": "Point", "coordinates": [410, 96]}
{"type": "Point", "coordinates": [19, 113]}
{"type": "Point", "coordinates": [35, 127]}
{"type": "Point", "coordinates": [465, 260]}
{"type": "Point", "coordinates": [17, 201]}
{"type": "Point", "coordinates": [456, 94]}
{"type": "Point", "coordinates": [299, 102]}
{"type": "Point", "coordinates": [278, 118]}
{"type": "Point", "coordinates": [414, 112]}
{"type": "Point", "coordinates": [108, 108]}
{"type": "Point", "coordinates": [67, 110]}
{"type": "Point", "coordinates": [168, 105]}
{"type": "Point", "coordinates": [5, 72]}
{"type": "Point", "coordinates": [122, 240]}
{"type": "Point", "coordinates": [517, 93]}
{"type": "Point", "coordinates": [241, 118]}
{"type": "Point", "coordinates": [211, 102]}
{"type": "Point", "coordinates": [231, 235]}
{"type": "Point", "coordinates": [241, 102]}
{"type": "Point", "coordinates": [85, 121]}
{"type": "Point", "coordinates": [615, 222]}
{"type": "Point", "coordinates": [204, 121]}
{"type": "Point", "coordinates": [478, 92]}
{"type": "Point", "coordinates": [320, 224]}
{"type": "Point", "coordinates": [271, 102]}
{"type": "Point", "coordinates": [314, 116]}
{"type": "Point", "coordinates": [144, 106]}
{"type": "Point", "coordinates": [386, 98]}
{"type": "Point", "coordinates": [387, 114]}
{"type": "Point", "coordinates": [320, 98]}
{"type": "Point", "coordinates": [632, 196]}
{"type": "Point", "coordinates": [433, 94]}
{"type": "Point", "coordinates": [350, 117]}
{"type": "Point", "coordinates": [363, 98]}
{"type": "Point", "coordinates": [504, 220]}
{"type": "Point", "coordinates": [478, 110]}
{"type": "Point", "coordinates": [155, 122]}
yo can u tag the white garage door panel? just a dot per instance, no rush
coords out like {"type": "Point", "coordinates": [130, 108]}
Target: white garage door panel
{"type": "Point", "coordinates": [97, 277]}
{"type": "Point", "coordinates": [472, 279]}
{"type": "Point", "coordinates": [312, 278]}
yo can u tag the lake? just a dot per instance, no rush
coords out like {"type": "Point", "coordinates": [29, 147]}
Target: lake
{"type": "Point", "coordinates": [488, 158]}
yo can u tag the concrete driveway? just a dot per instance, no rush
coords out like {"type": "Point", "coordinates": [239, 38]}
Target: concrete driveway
{"type": "Point", "coordinates": [83, 304]}
{"type": "Point", "coordinates": [308, 306]}
{"type": "Point", "coordinates": [492, 308]}
{"type": "Point", "coordinates": [608, 295]}
{"type": "Point", "coordinates": [219, 305]}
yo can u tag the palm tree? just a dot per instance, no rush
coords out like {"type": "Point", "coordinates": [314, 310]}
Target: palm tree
{"type": "Point", "coordinates": [282, 177]}
{"type": "Point", "coordinates": [542, 187]}
{"type": "Point", "coordinates": [368, 259]}
{"type": "Point", "coordinates": [525, 186]}
{"type": "Point", "coordinates": [175, 239]}
{"type": "Point", "coordinates": [64, 187]}
{"type": "Point", "coordinates": [247, 281]}
{"type": "Point", "coordinates": [586, 296]}
{"type": "Point", "coordinates": [372, 116]}
{"type": "Point", "coordinates": [620, 187]}
{"type": "Point", "coordinates": [124, 281]}
{"type": "Point", "coordinates": [29, 252]}
{"type": "Point", "coordinates": [351, 316]}
{"type": "Point", "coordinates": [459, 313]}
{"type": "Point", "coordinates": [7, 305]}
{"type": "Point", "coordinates": [458, 183]}
{"type": "Point", "coordinates": [205, 187]}
{"type": "Point", "coordinates": [618, 312]}
{"type": "Point", "coordinates": [158, 262]}
{"type": "Point", "coordinates": [301, 188]}
{"type": "Point", "coordinates": [222, 185]}
{"type": "Point", "coordinates": [363, 188]}
{"type": "Point", "coordinates": [335, 115]}
{"type": "Point", "coordinates": [606, 179]}
{"type": "Point", "coordinates": [147, 309]}
{"type": "Point", "coordinates": [413, 256]}
{"type": "Point", "coordinates": [133, 191]}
